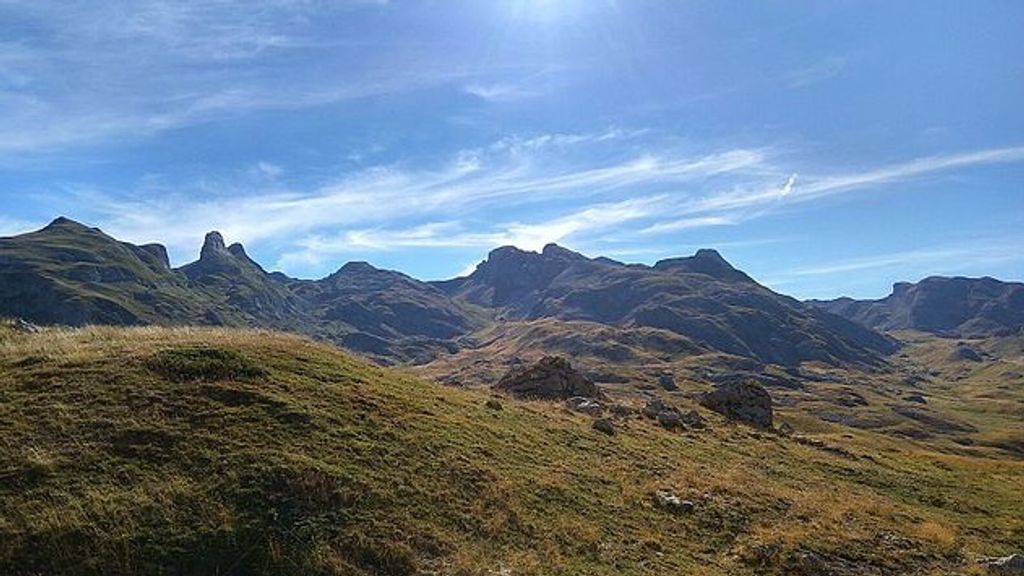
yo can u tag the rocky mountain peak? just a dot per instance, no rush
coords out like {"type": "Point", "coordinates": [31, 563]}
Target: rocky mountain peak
{"type": "Point", "coordinates": [553, 250]}
{"type": "Point", "coordinates": [62, 221]}
{"type": "Point", "coordinates": [238, 251]}
{"type": "Point", "coordinates": [213, 246]}
{"type": "Point", "coordinates": [358, 267]}
{"type": "Point", "coordinates": [68, 225]}
{"type": "Point", "coordinates": [704, 261]}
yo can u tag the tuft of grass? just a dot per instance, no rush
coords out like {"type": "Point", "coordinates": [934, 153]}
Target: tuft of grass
{"type": "Point", "coordinates": [204, 364]}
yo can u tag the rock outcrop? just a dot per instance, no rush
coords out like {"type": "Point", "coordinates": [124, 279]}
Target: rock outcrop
{"type": "Point", "coordinates": [744, 401]}
{"type": "Point", "coordinates": [552, 378]}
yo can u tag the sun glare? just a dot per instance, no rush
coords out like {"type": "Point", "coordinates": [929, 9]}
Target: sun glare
{"type": "Point", "coordinates": [544, 11]}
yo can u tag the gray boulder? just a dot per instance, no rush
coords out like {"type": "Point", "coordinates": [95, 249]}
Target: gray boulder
{"type": "Point", "coordinates": [670, 417]}
{"type": "Point", "coordinates": [744, 401]}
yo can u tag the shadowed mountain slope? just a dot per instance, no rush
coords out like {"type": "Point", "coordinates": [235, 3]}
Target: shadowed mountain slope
{"type": "Point", "coordinates": [950, 306]}
{"type": "Point", "coordinates": [67, 273]}
{"type": "Point", "coordinates": [702, 298]}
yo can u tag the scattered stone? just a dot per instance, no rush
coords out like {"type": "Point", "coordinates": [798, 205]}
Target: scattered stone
{"type": "Point", "coordinates": [584, 405]}
{"type": "Point", "coordinates": [919, 399]}
{"type": "Point", "coordinates": [1012, 564]}
{"type": "Point", "coordinates": [744, 401]}
{"type": "Point", "coordinates": [668, 417]}
{"type": "Point", "coordinates": [786, 429]}
{"type": "Point", "coordinates": [493, 404]}
{"type": "Point", "coordinates": [667, 381]}
{"type": "Point", "coordinates": [605, 426]}
{"type": "Point", "coordinates": [552, 378]}
{"type": "Point", "coordinates": [669, 501]}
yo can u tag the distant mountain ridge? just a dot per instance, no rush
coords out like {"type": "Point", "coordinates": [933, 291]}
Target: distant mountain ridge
{"type": "Point", "coordinates": [67, 273]}
{"type": "Point", "coordinates": [71, 274]}
{"type": "Point", "coordinates": [701, 297]}
{"type": "Point", "coordinates": [957, 306]}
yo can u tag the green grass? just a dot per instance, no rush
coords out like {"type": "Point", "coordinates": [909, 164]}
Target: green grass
{"type": "Point", "coordinates": [203, 451]}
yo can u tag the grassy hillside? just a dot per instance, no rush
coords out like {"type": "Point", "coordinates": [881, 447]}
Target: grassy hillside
{"type": "Point", "coordinates": [204, 451]}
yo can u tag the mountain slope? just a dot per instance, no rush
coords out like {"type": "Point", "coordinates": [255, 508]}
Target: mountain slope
{"type": "Point", "coordinates": [232, 281]}
{"type": "Point", "coordinates": [67, 273]}
{"type": "Point", "coordinates": [385, 314]}
{"type": "Point", "coordinates": [702, 298]}
{"type": "Point", "coordinates": [70, 274]}
{"type": "Point", "coordinates": [952, 306]}
{"type": "Point", "coordinates": [203, 451]}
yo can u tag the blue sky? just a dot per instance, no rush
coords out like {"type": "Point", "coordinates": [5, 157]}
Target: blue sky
{"type": "Point", "coordinates": [826, 148]}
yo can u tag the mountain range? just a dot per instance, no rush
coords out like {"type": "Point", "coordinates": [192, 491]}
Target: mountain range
{"type": "Point", "coordinates": [71, 274]}
{"type": "Point", "coordinates": [959, 307]}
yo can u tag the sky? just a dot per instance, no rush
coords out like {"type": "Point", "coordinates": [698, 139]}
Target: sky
{"type": "Point", "coordinates": [826, 148]}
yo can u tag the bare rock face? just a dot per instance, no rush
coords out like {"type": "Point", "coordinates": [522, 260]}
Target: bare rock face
{"type": "Point", "coordinates": [552, 378]}
{"type": "Point", "coordinates": [744, 401]}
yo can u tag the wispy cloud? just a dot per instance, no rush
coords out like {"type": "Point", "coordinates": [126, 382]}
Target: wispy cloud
{"type": "Point", "coordinates": [526, 191]}
{"type": "Point", "coordinates": [578, 225]}
{"type": "Point", "coordinates": [819, 72]}
{"type": "Point", "coordinates": [499, 92]}
{"type": "Point", "coordinates": [968, 256]}
{"type": "Point", "coordinates": [74, 75]}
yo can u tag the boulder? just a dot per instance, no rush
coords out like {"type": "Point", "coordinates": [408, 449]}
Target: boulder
{"type": "Point", "coordinates": [604, 425]}
{"type": "Point", "coordinates": [552, 378]}
{"type": "Point", "coordinates": [670, 417]}
{"type": "Point", "coordinates": [493, 404]}
{"type": "Point", "coordinates": [584, 405]}
{"type": "Point", "coordinates": [744, 401]}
